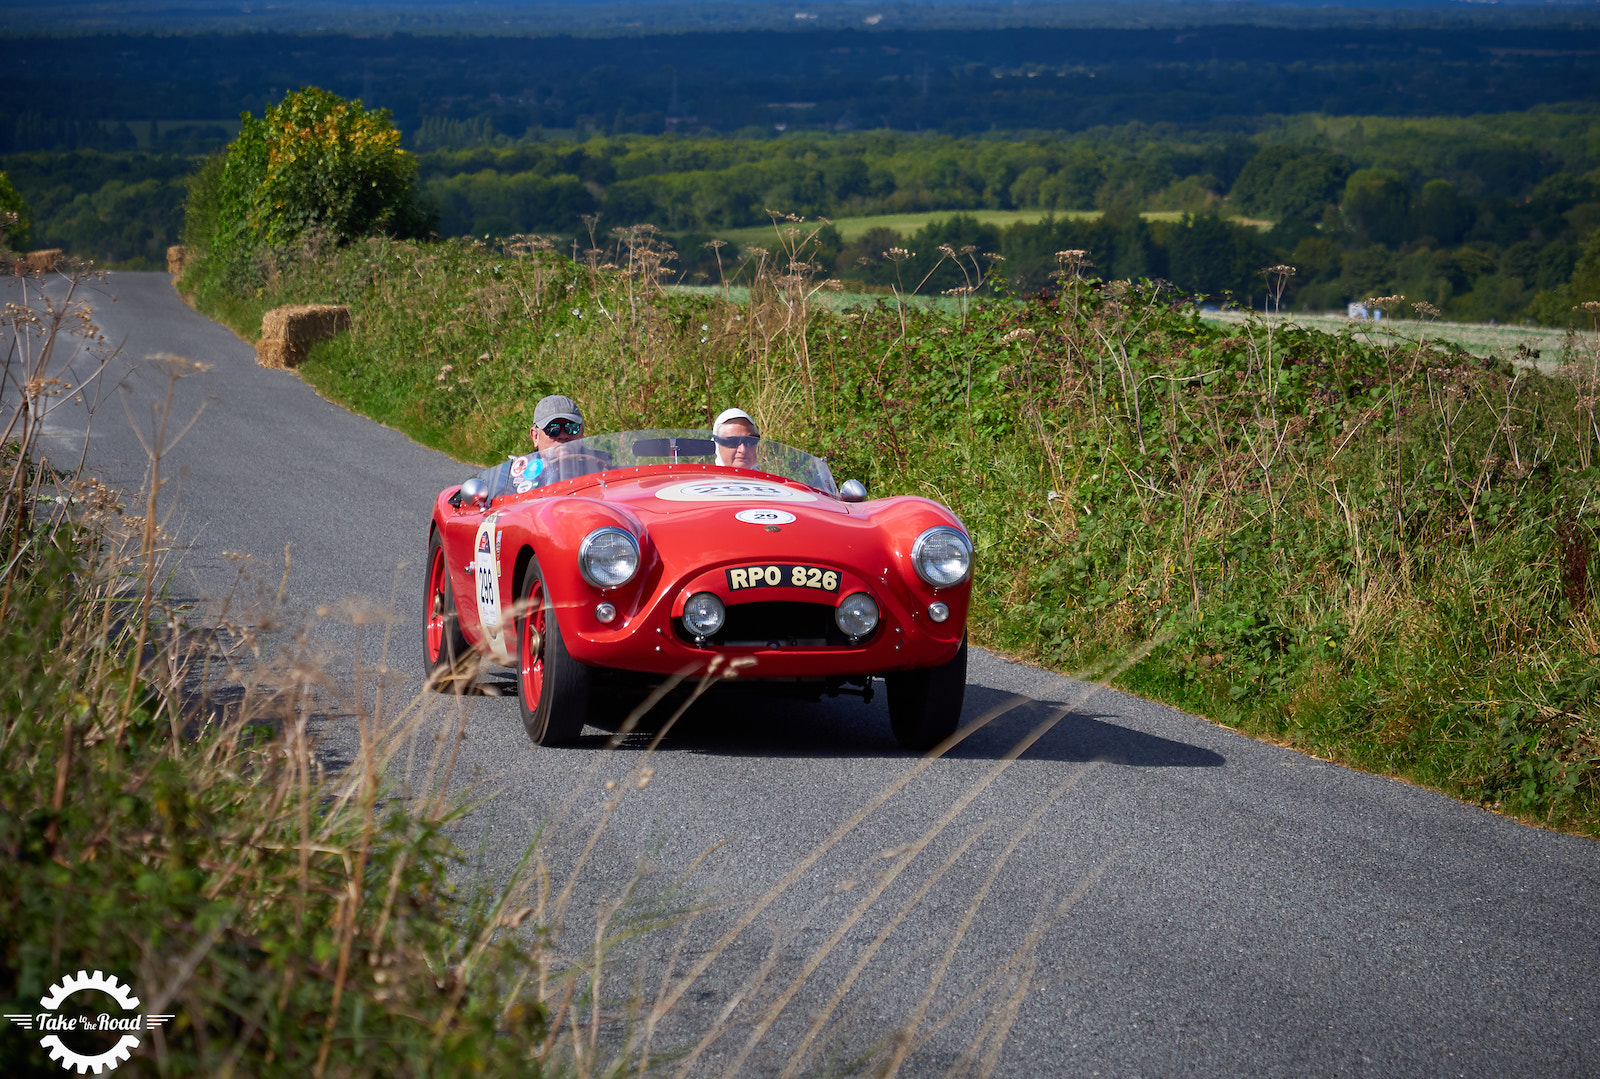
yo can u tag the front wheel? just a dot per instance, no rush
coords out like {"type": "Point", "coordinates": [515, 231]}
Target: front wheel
{"type": "Point", "coordinates": [925, 705]}
{"type": "Point", "coordinates": [445, 651]}
{"type": "Point", "coordinates": [552, 687]}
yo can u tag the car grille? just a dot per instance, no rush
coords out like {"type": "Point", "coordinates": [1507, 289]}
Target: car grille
{"type": "Point", "coordinates": [776, 624]}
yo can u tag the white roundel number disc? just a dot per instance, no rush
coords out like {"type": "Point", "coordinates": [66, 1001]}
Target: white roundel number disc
{"type": "Point", "coordinates": [764, 517]}
{"type": "Point", "coordinates": [733, 491]}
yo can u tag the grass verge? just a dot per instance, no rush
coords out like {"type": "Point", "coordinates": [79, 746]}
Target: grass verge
{"type": "Point", "coordinates": [1383, 552]}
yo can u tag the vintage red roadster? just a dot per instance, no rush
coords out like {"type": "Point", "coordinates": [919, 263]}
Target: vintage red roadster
{"type": "Point", "coordinates": [637, 552]}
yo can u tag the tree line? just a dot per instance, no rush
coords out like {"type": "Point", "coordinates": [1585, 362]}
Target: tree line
{"type": "Point", "coordinates": [863, 78]}
{"type": "Point", "coordinates": [1485, 217]}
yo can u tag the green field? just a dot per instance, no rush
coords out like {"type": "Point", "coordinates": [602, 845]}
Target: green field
{"type": "Point", "coordinates": [1546, 347]}
{"type": "Point", "coordinates": [852, 228]}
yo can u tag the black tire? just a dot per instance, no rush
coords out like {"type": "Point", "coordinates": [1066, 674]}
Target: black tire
{"type": "Point", "coordinates": [925, 705]}
{"type": "Point", "coordinates": [445, 652]}
{"type": "Point", "coordinates": [552, 687]}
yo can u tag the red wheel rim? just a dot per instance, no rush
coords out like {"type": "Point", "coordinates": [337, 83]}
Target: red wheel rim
{"type": "Point", "coordinates": [436, 606]}
{"type": "Point", "coordinates": [532, 658]}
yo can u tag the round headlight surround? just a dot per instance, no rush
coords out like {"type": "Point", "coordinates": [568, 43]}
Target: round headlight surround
{"type": "Point", "coordinates": [704, 614]}
{"type": "Point", "coordinates": [937, 545]}
{"type": "Point", "coordinates": [608, 557]}
{"type": "Point", "coordinates": [857, 615]}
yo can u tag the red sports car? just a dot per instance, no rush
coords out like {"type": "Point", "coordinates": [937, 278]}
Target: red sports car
{"type": "Point", "coordinates": [637, 552]}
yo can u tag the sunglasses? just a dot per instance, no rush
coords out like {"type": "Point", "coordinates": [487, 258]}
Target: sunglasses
{"type": "Point", "coordinates": [730, 442]}
{"type": "Point", "coordinates": [557, 428]}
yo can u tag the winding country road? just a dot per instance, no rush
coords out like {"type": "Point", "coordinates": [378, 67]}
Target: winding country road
{"type": "Point", "coordinates": [1155, 895]}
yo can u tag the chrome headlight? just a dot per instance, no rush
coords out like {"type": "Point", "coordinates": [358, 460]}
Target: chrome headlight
{"type": "Point", "coordinates": [857, 616]}
{"type": "Point", "coordinates": [703, 614]}
{"type": "Point", "coordinates": [608, 557]}
{"type": "Point", "coordinates": [942, 556]}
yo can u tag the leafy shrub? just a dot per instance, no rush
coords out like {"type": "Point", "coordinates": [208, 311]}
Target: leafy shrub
{"type": "Point", "coordinates": [313, 164]}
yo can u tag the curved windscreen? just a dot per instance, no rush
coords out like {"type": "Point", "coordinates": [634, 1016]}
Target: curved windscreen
{"type": "Point", "coordinates": [629, 449]}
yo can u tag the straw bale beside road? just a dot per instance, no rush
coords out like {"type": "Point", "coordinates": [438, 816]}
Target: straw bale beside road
{"type": "Point", "coordinates": [287, 333]}
{"type": "Point", "coordinates": [45, 261]}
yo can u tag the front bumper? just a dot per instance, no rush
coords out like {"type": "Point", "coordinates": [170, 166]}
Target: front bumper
{"type": "Point", "coordinates": [650, 638]}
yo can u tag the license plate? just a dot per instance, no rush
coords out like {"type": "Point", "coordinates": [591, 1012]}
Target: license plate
{"type": "Point", "coordinates": [823, 580]}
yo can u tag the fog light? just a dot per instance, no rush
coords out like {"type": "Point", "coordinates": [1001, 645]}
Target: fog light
{"type": "Point", "coordinates": [703, 614]}
{"type": "Point", "coordinates": [605, 612]}
{"type": "Point", "coordinates": [857, 616]}
{"type": "Point", "coordinates": [938, 611]}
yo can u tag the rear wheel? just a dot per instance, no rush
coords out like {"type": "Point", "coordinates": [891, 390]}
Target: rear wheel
{"type": "Point", "coordinates": [552, 687]}
{"type": "Point", "coordinates": [925, 705]}
{"type": "Point", "coordinates": [445, 651]}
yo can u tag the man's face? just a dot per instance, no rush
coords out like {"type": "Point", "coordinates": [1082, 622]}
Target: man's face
{"type": "Point", "coordinates": [741, 455]}
{"type": "Point", "coordinates": [564, 431]}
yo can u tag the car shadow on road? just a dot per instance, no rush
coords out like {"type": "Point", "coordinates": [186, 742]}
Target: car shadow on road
{"type": "Point", "coordinates": [746, 724]}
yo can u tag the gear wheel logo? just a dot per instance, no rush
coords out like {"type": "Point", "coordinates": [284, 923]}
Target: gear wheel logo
{"type": "Point", "coordinates": [99, 982]}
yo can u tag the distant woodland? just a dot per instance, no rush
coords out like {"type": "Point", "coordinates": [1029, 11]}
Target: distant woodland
{"type": "Point", "coordinates": [1458, 164]}
{"type": "Point", "coordinates": [954, 82]}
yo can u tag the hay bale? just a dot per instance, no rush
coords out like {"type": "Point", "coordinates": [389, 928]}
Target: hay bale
{"type": "Point", "coordinates": [45, 261]}
{"type": "Point", "coordinates": [177, 259]}
{"type": "Point", "coordinates": [287, 333]}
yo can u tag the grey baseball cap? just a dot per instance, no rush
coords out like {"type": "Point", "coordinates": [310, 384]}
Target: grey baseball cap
{"type": "Point", "coordinates": [556, 407]}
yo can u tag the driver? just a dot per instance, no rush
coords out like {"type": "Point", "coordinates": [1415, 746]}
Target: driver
{"type": "Point", "coordinates": [557, 420]}
{"type": "Point", "coordinates": [737, 438]}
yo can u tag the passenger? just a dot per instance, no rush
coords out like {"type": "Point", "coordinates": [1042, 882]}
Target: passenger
{"type": "Point", "coordinates": [737, 438]}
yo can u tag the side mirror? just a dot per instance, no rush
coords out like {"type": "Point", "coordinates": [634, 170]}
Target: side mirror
{"type": "Point", "coordinates": [475, 491]}
{"type": "Point", "coordinates": [852, 491]}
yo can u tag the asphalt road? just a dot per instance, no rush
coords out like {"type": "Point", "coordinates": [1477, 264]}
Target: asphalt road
{"type": "Point", "coordinates": [1137, 893]}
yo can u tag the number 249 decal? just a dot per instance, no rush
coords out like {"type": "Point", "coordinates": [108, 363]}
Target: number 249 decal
{"type": "Point", "coordinates": [826, 580]}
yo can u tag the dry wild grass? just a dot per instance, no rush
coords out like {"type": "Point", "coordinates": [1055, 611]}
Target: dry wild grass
{"type": "Point", "coordinates": [183, 809]}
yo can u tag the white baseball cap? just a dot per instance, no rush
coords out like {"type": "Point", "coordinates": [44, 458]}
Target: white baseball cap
{"type": "Point", "coordinates": [729, 414]}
